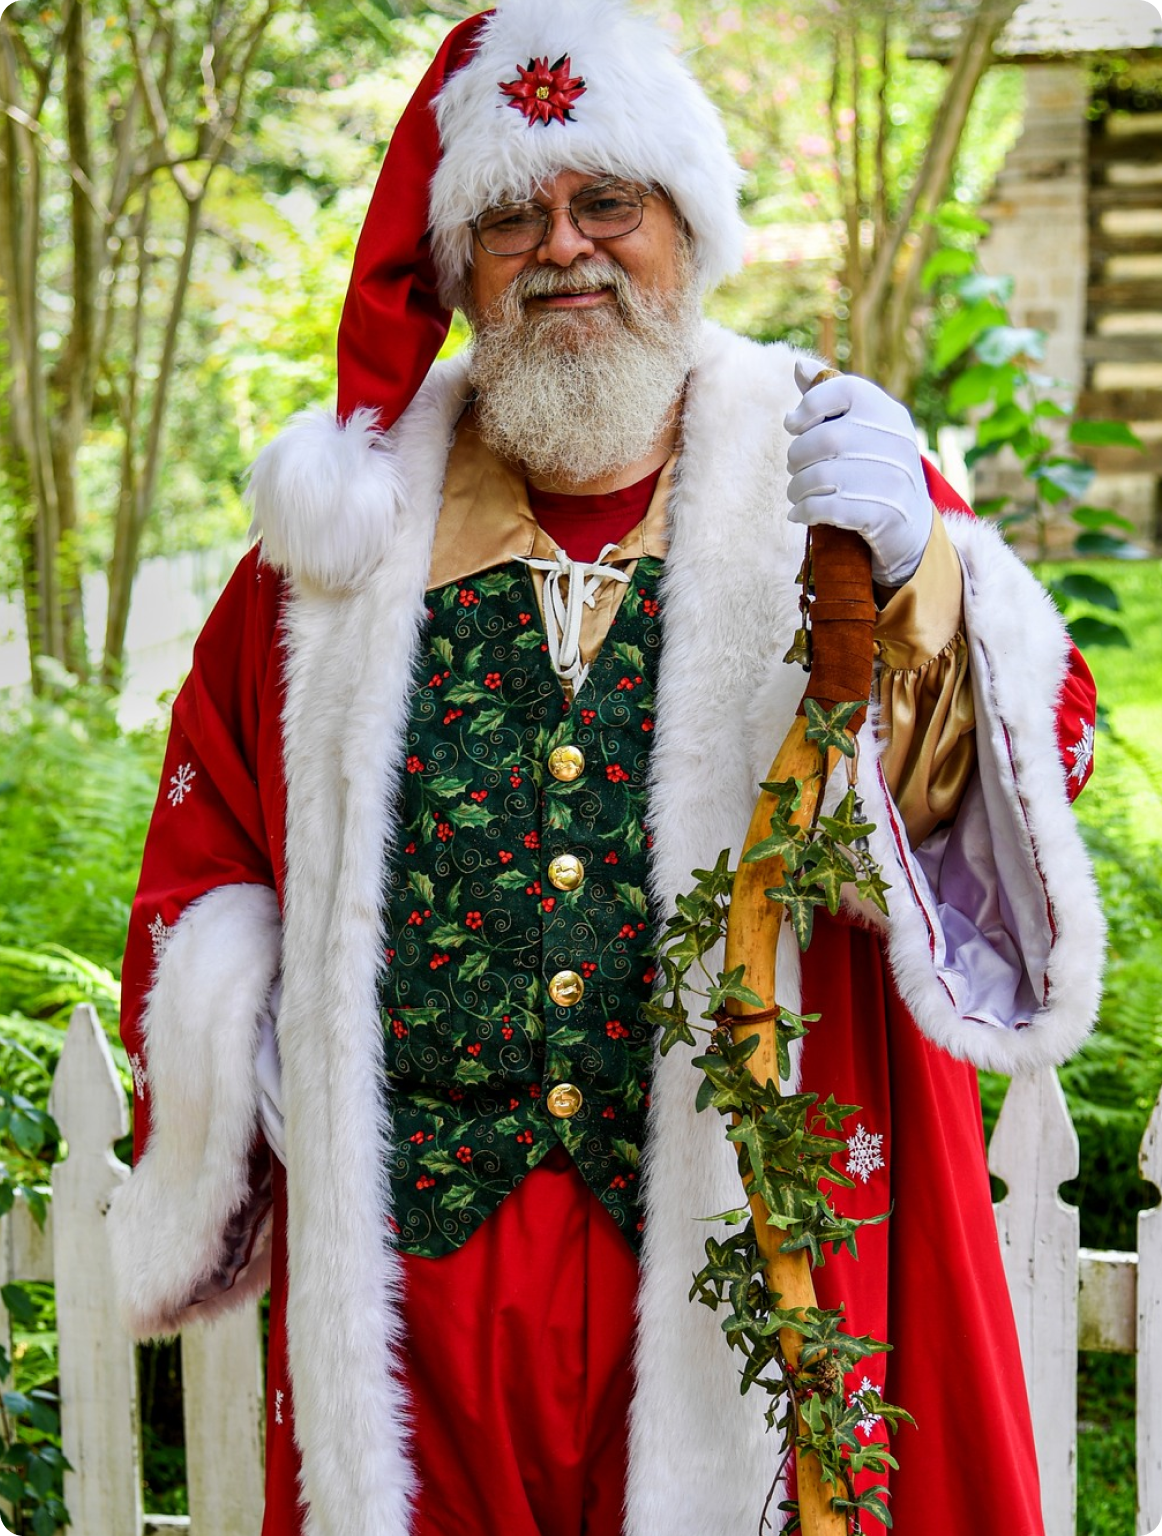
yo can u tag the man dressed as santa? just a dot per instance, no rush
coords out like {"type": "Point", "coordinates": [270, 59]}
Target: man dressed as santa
{"type": "Point", "coordinates": [504, 669]}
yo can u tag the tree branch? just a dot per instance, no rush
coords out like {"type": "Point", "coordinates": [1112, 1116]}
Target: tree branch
{"type": "Point", "coordinates": [155, 107]}
{"type": "Point", "coordinates": [59, 153]}
{"type": "Point", "coordinates": [973, 55]}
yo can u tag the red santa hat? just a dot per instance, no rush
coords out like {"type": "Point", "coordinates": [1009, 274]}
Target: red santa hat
{"type": "Point", "coordinates": [514, 96]}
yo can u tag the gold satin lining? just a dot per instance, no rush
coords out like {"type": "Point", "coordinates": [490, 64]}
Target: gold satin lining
{"type": "Point", "coordinates": [485, 520]}
{"type": "Point", "coordinates": [925, 691]}
{"type": "Point", "coordinates": [925, 613]}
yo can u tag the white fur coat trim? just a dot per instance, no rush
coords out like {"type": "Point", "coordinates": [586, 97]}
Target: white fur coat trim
{"type": "Point", "coordinates": [167, 1223]}
{"type": "Point", "coordinates": [1019, 805]}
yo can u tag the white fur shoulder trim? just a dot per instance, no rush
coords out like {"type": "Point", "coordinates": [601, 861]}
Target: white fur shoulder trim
{"type": "Point", "coordinates": [328, 496]}
{"type": "Point", "coordinates": [325, 497]}
{"type": "Point", "coordinates": [167, 1224]}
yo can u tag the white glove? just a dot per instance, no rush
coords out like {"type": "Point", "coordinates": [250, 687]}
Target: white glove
{"type": "Point", "coordinates": [268, 1070]}
{"type": "Point", "coordinates": [854, 464]}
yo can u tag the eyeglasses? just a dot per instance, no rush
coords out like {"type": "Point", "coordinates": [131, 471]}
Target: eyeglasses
{"type": "Point", "coordinates": [605, 211]}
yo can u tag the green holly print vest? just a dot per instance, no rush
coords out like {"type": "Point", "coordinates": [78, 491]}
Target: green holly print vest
{"type": "Point", "coordinates": [516, 912]}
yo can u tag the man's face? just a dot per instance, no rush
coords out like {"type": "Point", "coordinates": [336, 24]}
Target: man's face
{"type": "Point", "coordinates": [583, 346]}
{"type": "Point", "coordinates": [649, 256]}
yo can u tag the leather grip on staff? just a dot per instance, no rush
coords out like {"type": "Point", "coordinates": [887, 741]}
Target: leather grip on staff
{"type": "Point", "coordinates": [843, 620]}
{"type": "Point", "coordinates": [843, 617]}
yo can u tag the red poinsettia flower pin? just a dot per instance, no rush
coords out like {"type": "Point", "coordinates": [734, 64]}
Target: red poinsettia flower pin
{"type": "Point", "coordinates": [545, 92]}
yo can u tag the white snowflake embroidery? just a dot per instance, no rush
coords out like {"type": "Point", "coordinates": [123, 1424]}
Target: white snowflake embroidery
{"type": "Point", "coordinates": [137, 1067]}
{"type": "Point", "coordinates": [1082, 753]}
{"type": "Point", "coordinates": [181, 783]}
{"type": "Point", "coordinates": [863, 1153]}
{"type": "Point", "coordinates": [278, 1396]}
{"type": "Point", "coordinates": [160, 935]}
{"type": "Point", "coordinates": [870, 1420]}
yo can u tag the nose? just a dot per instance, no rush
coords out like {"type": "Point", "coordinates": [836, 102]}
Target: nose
{"type": "Point", "coordinates": [563, 243]}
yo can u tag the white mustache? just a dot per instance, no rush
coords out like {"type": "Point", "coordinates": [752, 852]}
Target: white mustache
{"type": "Point", "coordinates": [544, 282]}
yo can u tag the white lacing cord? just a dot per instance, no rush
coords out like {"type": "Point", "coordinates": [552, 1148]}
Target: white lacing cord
{"type": "Point", "coordinates": [570, 587]}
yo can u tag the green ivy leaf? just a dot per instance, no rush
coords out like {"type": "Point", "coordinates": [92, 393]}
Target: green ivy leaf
{"type": "Point", "coordinates": [848, 825]}
{"type": "Point", "coordinates": [730, 987]}
{"type": "Point", "coordinates": [800, 909]}
{"type": "Point", "coordinates": [872, 886]}
{"type": "Point", "coordinates": [718, 881]}
{"type": "Point", "coordinates": [828, 728]}
{"type": "Point", "coordinates": [785, 842]}
{"type": "Point", "coordinates": [673, 1024]}
{"type": "Point", "coordinates": [829, 874]}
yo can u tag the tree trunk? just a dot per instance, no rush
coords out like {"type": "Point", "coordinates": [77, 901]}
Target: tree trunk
{"type": "Point", "coordinates": [139, 482]}
{"type": "Point", "coordinates": [886, 289]}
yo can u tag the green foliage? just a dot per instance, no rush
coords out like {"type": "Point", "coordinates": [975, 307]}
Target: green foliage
{"type": "Point", "coordinates": [786, 1144]}
{"type": "Point", "coordinates": [75, 799]}
{"type": "Point", "coordinates": [32, 1464]}
{"type": "Point", "coordinates": [1106, 1503]}
{"type": "Point", "coordinates": [989, 368]}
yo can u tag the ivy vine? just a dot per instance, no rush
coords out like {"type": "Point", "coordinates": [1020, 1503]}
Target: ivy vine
{"type": "Point", "coordinates": [786, 1143]}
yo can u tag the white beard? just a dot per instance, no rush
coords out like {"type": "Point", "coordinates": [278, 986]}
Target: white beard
{"type": "Point", "coordinates": [578, 395]}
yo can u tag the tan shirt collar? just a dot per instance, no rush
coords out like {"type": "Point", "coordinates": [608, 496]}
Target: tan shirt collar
{"type": "Point", "coordinates": [486, 519]}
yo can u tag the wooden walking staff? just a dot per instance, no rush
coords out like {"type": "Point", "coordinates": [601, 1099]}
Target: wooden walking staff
{"type": "Point", "coordinates": [843, 618]}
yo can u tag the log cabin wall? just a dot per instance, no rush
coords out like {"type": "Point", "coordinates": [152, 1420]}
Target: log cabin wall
{"type": "Point", "coordinates": [1076, 217]}
{"type": "Point", "coordinates": [1122, 351]}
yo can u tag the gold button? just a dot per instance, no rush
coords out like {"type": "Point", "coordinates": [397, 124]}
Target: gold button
{"type": "Point", "coordinates": [566, 872]}
{"type": "Point", "coordinates": [564, 1101]}
{"type": "Point", "coordinates": [565, 988]}
{"type": "Point", "coordinates": [566, 763]}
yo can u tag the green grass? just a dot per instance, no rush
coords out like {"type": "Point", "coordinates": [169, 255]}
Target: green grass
{"type": "Point", "coordinates": [1106, 1487]}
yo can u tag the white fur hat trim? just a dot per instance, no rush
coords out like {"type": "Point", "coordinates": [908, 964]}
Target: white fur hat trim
{"type": "Point", "coordinates": [642, 116]}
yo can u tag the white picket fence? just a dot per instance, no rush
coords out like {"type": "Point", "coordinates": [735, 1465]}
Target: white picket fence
{"type": "Point", "coordinates": [1064, 1297]}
